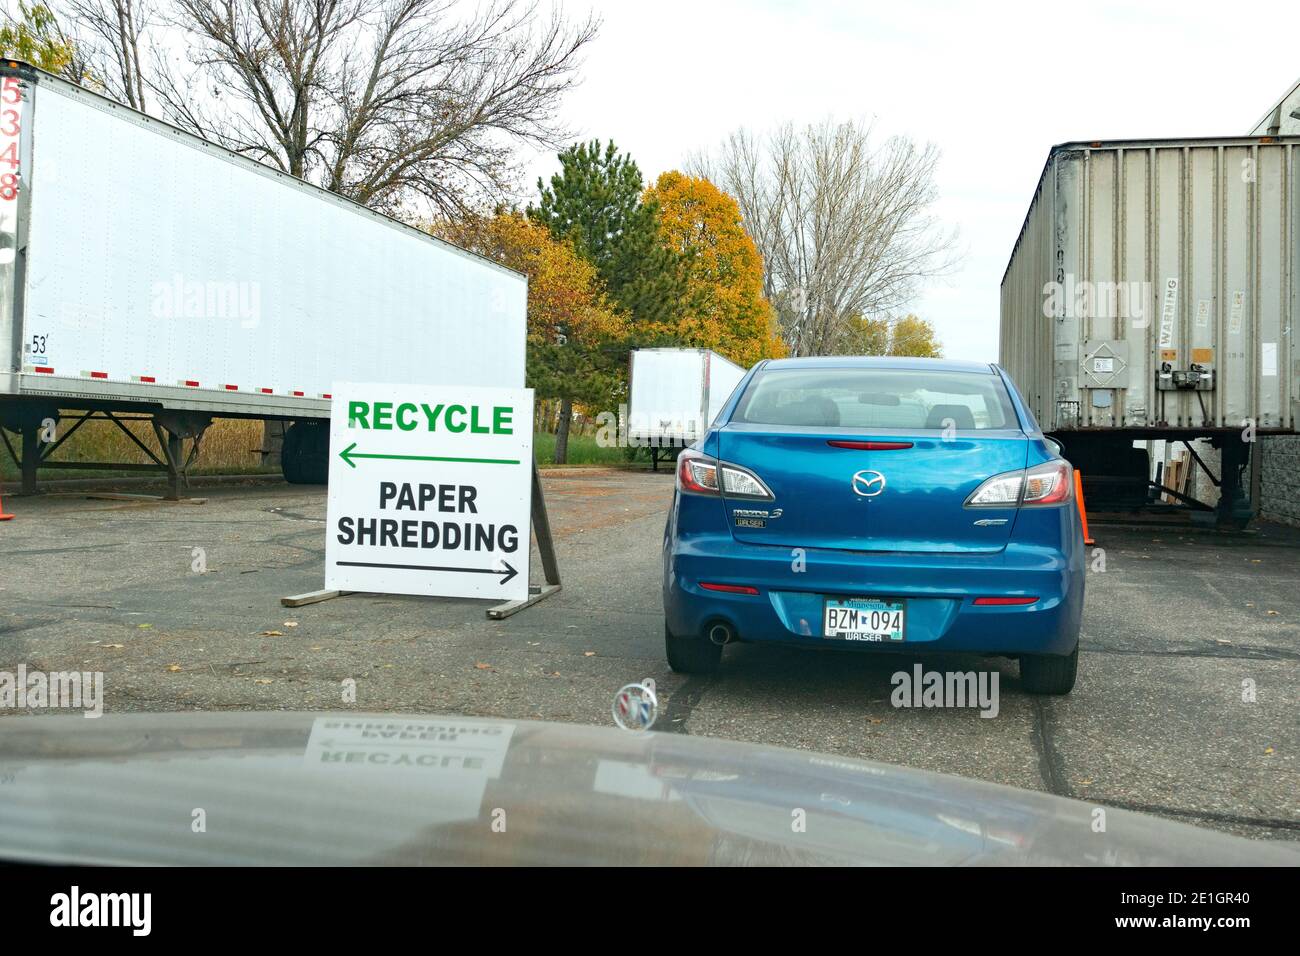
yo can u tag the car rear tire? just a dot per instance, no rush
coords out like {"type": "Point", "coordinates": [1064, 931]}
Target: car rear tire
{"type": "Point", "coordinates": [692, 655]}
{"type": "Point", "coordinates": [1049, 673]}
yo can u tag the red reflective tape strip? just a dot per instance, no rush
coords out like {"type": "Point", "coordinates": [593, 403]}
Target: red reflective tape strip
{"type": "Point", "coordinates": [45, 370]}
{"type": "Point", "coordinates": [187, 382]}
{"type": "Point", "coordinates": [299, 394]}
{"type": "Point", "coordinates": [327, 395]}
{"type": "Point", "coordinates": [871, 445]}
{"type": "Point", "coordinates": [265, 391]}
{"type": "Point", "coordinates": [729, 588]}
{"type": "Point", "coordinates": [231, 388]}
{"type": "Point", "coordinates": [146, 378]}
{"type": "Point", "coordinates": [99, 375]}
{"type": "Point", "coordinates": [1003, 601]}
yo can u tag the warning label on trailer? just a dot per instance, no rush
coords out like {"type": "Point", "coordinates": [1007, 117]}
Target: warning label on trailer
{"type": "Point", "coordinates": [429, 490]}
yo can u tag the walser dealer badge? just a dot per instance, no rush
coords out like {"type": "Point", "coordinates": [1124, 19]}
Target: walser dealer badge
{"type": "Point", "coordinates": [429, 490]}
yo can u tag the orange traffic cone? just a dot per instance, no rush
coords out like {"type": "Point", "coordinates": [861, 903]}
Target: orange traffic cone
{"type": "Point", "coordinates": [1083, 512]}
{"type": "Point", "coordinates": [3, 516]}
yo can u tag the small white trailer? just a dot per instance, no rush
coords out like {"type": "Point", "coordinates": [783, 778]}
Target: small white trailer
{"type": "Point", "coordinates": [148, 271]}
{"type": "Point", "coordinates": [673, 395]}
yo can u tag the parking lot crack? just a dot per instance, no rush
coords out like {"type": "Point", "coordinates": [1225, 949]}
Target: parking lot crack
{"type": "Point", "coordinates": [1239, 652]}
{"type": "Point", "coordinates": [1230, 818]}
{"type": "Point", "coordinates": [293, 515]}
{"type": "Point", "coordinates": [1051, 766]}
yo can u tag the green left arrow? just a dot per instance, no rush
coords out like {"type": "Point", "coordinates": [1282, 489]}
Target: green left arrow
{"type": "Point", "coordinates": [348, 455]}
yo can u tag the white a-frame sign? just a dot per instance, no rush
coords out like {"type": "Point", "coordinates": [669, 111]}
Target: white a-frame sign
{"type": "Point", "coordinates": [433, 491]}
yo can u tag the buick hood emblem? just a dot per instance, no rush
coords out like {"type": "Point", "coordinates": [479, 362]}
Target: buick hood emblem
{"type": "Point", "coordinates": [636, 706]}
{"type": "Point", "coordinates": [868, 484]}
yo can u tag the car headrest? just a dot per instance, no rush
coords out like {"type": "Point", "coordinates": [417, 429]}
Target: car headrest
{"type": "Point", "coordinates": [961, 416]}
{"type": "Point", "coordinates": [814, 410]}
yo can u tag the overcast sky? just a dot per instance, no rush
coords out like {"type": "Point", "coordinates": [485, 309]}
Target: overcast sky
{"type": "Point", "coordinates": [994, 85]}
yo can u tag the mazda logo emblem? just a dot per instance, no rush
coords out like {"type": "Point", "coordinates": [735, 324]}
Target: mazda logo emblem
{"type": "Point", "coordinates": [868, 484]}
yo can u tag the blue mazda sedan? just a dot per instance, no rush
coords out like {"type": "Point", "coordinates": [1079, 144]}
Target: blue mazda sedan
{"type": "Point", "coordinates": [881, 504]}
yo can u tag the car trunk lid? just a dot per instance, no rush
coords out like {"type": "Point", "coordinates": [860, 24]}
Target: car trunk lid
{"type": "Point", "coordinates": [886, 491]}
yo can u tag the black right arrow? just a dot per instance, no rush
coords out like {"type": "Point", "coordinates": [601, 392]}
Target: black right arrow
{"type": "Point", "coordinates": [509, 572]}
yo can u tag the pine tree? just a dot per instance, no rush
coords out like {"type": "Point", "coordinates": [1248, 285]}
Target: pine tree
{"type": "Point", "coordinates": [596, 203]}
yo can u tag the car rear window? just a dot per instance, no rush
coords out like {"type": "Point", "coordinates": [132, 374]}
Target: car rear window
{"type": "Point", "coordinates": [877, 398]}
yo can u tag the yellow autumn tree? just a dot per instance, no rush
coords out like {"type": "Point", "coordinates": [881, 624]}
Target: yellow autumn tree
{"type": "Point", "coordinates": [36, 36]}
{"type": "Point", "coordinates": [910, 335]}
{"type": "Point", "coordinates": [724, 309]}
{"type": "Point", "coordinates": [577, 343]}
{"type": "Point", "coordinates": [913, 335]}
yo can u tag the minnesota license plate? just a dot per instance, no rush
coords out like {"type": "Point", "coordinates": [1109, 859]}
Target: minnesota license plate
{"type": "Point", "coordinates": [864, 619]}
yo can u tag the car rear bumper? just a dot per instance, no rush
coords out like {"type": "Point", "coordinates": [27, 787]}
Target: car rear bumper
{"type": "Point", "coordinates": [939, 590]}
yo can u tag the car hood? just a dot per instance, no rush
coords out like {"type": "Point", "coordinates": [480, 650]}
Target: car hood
{"type": "Point", "coordinates": [347, 788]}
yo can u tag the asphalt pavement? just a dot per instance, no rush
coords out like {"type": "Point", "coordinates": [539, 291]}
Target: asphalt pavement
{"type": "Point", "coordinates": [1186, 706]}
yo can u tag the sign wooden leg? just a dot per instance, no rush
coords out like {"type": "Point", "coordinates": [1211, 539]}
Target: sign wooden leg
{"type": "Point", "coordinates": [546, 547]}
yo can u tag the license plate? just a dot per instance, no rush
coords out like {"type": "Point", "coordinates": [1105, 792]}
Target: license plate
{"type": "Point", "coordinates": [864, 619]}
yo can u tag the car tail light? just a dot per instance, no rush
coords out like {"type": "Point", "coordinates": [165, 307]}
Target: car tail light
{"type": "Point", "coordinates": [697, 473]}
{"type": "Point", "coordinates": [702, 475]}
{"type": "Point", "coordinates": [1045, 484]}
{"type": "Point", "coordinates": [871, 445]}
{"type": "Point", "coordinates": [742, 483]}
{"type": "Point", "coordinates": [728, 588]}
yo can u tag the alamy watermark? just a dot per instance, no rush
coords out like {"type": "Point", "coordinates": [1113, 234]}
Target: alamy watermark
{"type": "Point", "coordinates": [183, 298]}
{"type": "Point", "coordinates": [128, 910]}
{"type": "Point", "coordinates": [66, 690]}
{"type": "Point", "coordinates": [940, 689]}
{"type": "Point", "coordinates": [1072, 298]}
{"type": "Point", "coordinates": [646, 429]}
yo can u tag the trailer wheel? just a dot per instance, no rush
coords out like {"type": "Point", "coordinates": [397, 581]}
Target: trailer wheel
{"type": "Point", "coordinates": [304, 457]}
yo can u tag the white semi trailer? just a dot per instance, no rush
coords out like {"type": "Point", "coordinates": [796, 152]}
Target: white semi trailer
{"type": "Point", "coordinates": [147, 271]}
{"type": "Point", "coordinates": [673, 395]}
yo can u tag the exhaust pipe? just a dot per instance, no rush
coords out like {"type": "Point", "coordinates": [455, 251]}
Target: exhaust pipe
{"type": "Point", "coordinates": [721, 634]}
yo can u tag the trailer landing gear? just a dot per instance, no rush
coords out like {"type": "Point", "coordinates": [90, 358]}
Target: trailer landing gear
{"type": "Point", "coordinates": [664, 453]}
{"type": "Point", "coordinates": [40, 436]}
{"type": "Point", "coordinates": [172, 429]}
{"type": "Point", "coordinates": [1116, 477]}
{"type": "Point", "coordinates": [1234, 510]}
{"type": "Point", "coordinates": [27, 422]}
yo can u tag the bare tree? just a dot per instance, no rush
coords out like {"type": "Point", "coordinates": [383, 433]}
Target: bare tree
{"type": "Point", "coordinates": [111, 34]}
{"type": "Point", "coordinates": [383, 101]}
{"type": "Point", "coordinates": [843, 225]}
